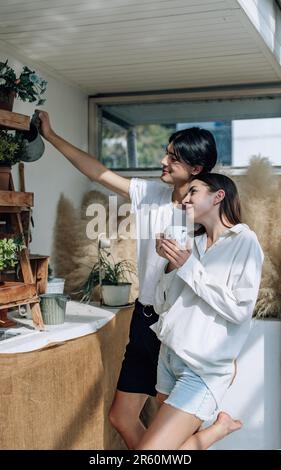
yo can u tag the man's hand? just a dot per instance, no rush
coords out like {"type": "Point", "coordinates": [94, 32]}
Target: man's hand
{"type": "Point", "coordinates": [89, 165]}
{"type": "Point", "coordinates": [45, 126]}
{"type": "Point", "coordinates": [173, 254]}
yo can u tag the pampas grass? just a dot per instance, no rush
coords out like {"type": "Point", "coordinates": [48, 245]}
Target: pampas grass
{"type": "Point", "coordinates": [260, 192]}
{"type": "Point", "coordinates": [65, 240]}
{"type": "Point", "coordinates": [74, 254]}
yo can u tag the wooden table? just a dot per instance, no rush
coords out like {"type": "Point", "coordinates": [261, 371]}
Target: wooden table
{"type": "Point", "coordinates": [59, 397]}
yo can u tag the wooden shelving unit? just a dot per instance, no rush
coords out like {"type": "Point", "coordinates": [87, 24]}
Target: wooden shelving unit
{"type": "Point", "coordinates": [15, 293]}
{"type": "Point", "coordinates": [14, 121]}
{"type": "Point", "coordinates": [12, 204]}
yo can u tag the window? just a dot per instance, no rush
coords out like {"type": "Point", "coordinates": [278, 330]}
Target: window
{"type": "Point", "coordinates": [140, 147]}
{"type": "Point", "coordinates": [133, 135]}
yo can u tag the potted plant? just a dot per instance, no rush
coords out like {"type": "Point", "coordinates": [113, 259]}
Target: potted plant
{"type": "Point", "coordinates": [114, 279]}
{"type": "Point", "coordinates": [12, 148]}
{"type": "Point", "coordinates": [55, 285]}
{"type": "Point", "coordinates": [9, 251]}
{"type": "Point", "coordinates": [27, 86]}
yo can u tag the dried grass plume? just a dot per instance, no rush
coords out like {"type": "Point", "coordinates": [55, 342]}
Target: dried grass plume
{"type": "Point", "coordinates": [260, 192]}
{"type": "Point", "coordinates": [74, 254]}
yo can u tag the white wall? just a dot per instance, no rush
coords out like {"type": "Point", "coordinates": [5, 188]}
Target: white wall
{"type": "Point", "coordinates": [254, 396]}
{"type": "Point", "coordinates": [53, 174]}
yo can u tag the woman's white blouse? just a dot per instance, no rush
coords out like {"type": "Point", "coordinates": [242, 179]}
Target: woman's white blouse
{"type": "Point", "coordinates": [206, 306]}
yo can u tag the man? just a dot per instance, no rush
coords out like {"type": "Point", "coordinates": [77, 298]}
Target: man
{"type": "Point", "coordinates": [189, 152]}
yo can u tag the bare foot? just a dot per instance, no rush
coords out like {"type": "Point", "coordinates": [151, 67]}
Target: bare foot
{"type": "Point", "coordinates": [226, 424]}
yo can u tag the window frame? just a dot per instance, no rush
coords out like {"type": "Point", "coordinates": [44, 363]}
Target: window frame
{"type": "Point", "coordinates": [96, 102]}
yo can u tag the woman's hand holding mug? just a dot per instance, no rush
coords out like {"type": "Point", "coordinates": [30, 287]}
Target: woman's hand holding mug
{"type": "Point", "coordinates": [174, 255]}
{"type": "Point", "coordinates": [175, 245]}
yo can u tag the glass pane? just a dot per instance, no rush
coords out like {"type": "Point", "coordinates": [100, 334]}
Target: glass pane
{"type": "Point", "coordinates": [148, 148]}
{"type": "Point", "coordinates": [256, 137]}
{"type": "Point", "coordinates": [141, 146]}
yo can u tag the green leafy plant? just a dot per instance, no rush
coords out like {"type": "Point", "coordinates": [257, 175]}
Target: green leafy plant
{"type": "Point", "coordinates": [28, 86]}
{"type": "Point", "coordinates": [12, 148]}
{"type": "Point", "coordinates": [111, 274]}
{"type": "Point", "coordinates": [9, 251]}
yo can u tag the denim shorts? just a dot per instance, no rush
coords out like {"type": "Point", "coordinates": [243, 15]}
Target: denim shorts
{"type": "Point", "coordinates": [186, 390]}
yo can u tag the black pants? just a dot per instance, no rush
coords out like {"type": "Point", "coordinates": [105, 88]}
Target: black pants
{"type": "Point", "coordinates": [139, 368]}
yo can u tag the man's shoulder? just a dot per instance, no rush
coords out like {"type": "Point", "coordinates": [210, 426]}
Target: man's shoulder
{"type": "Point", "coordinates": [151, 188]}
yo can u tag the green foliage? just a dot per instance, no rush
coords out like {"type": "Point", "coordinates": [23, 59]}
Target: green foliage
{"type": "Point", "coordinates": [111, 274]}
{"type": "Point", "coordinates": [27, 87]}
{"type": "Point", "coordinates": [9, 250]}
{"type": "Point", "coordinates": [91, 282]}
{"type": "Point", "coordinates": [12, 148]}
{"type": "Point", "coordinates": [115, 273]}
{"type": "Point", "coordinates": [150, 140]}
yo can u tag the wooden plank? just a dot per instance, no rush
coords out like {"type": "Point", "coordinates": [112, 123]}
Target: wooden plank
{"type": "Point", "coordinates": [26, 225]}
{"type": "Point", "coordinates": [21, 177]}
{"type": "Point", "coordinates": [9, 209]}
{"type": "Point", "coordinates": [39, 266]}
{"type": "Point", "coordinates": [10, 120]}
{"type": "Point", "coordinates": [16, 199]}
{"type": "Point", "coordinates": [20, 302]}
{"type": "Point", "coordinates": [12, 292]}
{"type": "Point", "coordinates": [36, 316]}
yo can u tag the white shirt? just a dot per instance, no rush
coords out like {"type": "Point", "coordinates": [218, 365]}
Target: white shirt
{"type": "Point", "coordinates": [151, 202]}
{"type": "Point", "coordinates": [206, 305]}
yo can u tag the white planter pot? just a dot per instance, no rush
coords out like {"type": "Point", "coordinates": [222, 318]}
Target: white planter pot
{"type": "Point", "coordinates": [55, 286]}
{"type": "Point", "coordinates": [254, 396]}
{"type": "Point", "coordinates": [116, 295]}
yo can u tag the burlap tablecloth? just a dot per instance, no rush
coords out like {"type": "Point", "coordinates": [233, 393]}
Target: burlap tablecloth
{"type": "Point", "coordinates": [59, 397]}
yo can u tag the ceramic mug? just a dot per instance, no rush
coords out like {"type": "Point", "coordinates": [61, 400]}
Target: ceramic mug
{"type": "Point", "coordinates": [180, 234]}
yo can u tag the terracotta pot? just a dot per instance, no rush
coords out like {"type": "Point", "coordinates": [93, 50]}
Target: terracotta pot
{"type": "Point", "coordinates": [7, 97]}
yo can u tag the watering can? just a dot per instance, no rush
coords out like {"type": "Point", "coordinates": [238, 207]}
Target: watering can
{"type": "Point", "coordinates": [34, 144]}
{"type": "Point", "coordinates": [53, 307]}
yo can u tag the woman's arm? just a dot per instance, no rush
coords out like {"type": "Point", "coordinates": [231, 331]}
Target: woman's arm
{"type": "Point", "coordinates": [167, 290]}
{"type": "Point", "coordinates": [235, 303]}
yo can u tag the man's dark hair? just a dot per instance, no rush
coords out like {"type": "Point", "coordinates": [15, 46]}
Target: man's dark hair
{"type": "Point", "coordinates": [195, 146]}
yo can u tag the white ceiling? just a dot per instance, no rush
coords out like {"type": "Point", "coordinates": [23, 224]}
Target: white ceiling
{"type": "Point", "coordinates": [110, 46]}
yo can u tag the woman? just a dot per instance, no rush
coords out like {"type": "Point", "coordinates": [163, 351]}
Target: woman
{"type": "Point", "coordinates": [205, 298]}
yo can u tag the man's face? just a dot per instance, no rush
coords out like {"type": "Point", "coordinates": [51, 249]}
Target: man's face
{"type": "Point", "coordinates": [175, 171]}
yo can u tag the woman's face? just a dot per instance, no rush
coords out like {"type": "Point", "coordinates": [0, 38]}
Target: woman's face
{"type": "Point", "coordinates": [201, 201]}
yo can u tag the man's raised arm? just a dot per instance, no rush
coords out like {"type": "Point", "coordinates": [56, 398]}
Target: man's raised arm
{"type": "Point", "coordinates": [87, 164]}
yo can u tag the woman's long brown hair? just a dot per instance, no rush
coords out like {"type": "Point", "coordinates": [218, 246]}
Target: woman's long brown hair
{"type": "Point", "coordinates": [230, 207]}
